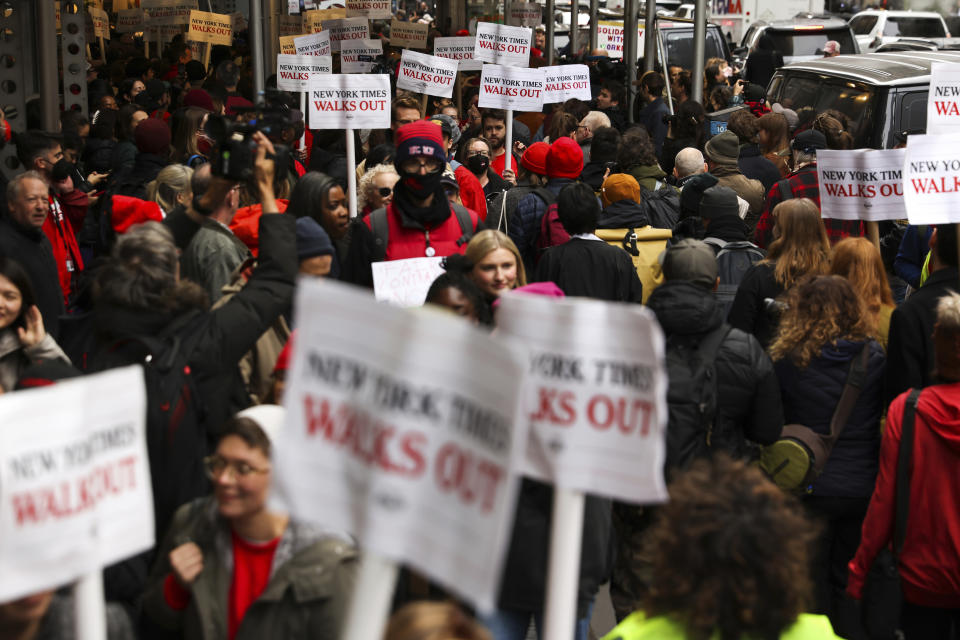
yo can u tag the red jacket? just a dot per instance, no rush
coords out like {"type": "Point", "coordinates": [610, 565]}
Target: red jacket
{"type": "Point", "coordinates": [411, 241]}
{"type": "Point", "coordinates": [930, 561]}
{"type": "Point", "coordinates": [471, 193]}
{"type": "Point", "coordinates": [66, 253]}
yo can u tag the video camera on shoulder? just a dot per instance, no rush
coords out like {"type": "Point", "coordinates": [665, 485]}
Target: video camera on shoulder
{"type": "Point", "coordinates": [235, 150]}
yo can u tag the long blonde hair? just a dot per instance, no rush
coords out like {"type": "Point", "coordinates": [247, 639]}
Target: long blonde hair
{"type": "Point", "coordinates": [860, 262]}
{"type": "Point", "coordinates": [801, 247]}
{"type": "Point", "coordinates": [490, 240]}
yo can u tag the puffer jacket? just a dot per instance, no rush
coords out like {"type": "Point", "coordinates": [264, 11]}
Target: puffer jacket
{"type": "Point", "coordinates": [749, 402]}
{"type": "Point", "coordinates": [311, 580]}
{"type": "Point", "coordinates": [810, 396]}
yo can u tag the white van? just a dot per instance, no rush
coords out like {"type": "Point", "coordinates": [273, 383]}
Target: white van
{"type": "Point", "coordinates": [873, 28]}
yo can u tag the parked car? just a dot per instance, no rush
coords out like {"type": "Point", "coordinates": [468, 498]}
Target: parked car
{"type": "Point", "coordinates": [873, 28]}
{"type": "Point", "coordinates": [884, 95]}
{"type": "Point", "coordinates": [800, 39]}
{"type": "Point", "coordinates": [921, 44]}
{"type": "Point", "coordinates": [677, 38]}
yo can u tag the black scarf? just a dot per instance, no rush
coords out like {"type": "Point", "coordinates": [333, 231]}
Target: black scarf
{"type": "Point", "coordinates": [431, 215]}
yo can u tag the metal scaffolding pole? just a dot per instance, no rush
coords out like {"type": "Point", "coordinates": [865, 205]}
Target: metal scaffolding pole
{"type": "Point", "coordinates": [594, 15]}
{"type": "Point", "coordinates": [548, 20]}
{"type": "Point", "coordinates": [47, 57]}
{"type": "Point", "coordinates": [650, 42]}
{"type": "Point", "coordinates": [256, 47]}
{"type": "Point", "coordinates": [574, 45]}
{"type": "Point", "coordinates": [272, 32]}
{"type": "Point", "coordinates": [699, 49]}
{"type": "Point", "coordinates": [630, 52]}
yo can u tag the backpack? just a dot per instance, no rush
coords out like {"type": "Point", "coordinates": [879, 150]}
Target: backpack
{"type": "Point", "coordinates": [644, 244]}
{"type": "Point", "coordinates": [176, 435]}
{"type": "Point", "coordinates": [552, 232]}
{"type": "Point", "coordinates": [381, 229]}
{"type": "Point", "coordinates": [733, 260]}
{"type": "Point", "coordinates": [692, 395]}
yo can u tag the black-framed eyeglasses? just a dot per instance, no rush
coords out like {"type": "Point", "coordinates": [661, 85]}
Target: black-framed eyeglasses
{"type": "Point", "coordinates": [385, 191]}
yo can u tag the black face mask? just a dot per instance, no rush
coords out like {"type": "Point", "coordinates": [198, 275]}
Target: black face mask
{"type": "Point", "coordinates": [478, 164]}
{"type": "Point", "coordinates": [421, 186]}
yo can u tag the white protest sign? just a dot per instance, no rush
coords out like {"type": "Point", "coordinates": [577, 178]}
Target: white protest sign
{"type": "Point", "coordinates": [931, 179]}
{"type": "Point", "coordinates": [164, 32]}
{"type": "Point", "coordinates": [314, 44]}
{"type": "Point", "coordinates": [396, 441]}
{"type": "Point", "coordinates": [943, 103]}
{"type": "Point", "coordinates": [861, 185]}
{"type": "Point", "coordinates": [345, 101]}
{"type": "Point", "coordinates": [130, 20]}
{"type": "Point", "coordinates": [423, 73]}
{"type": "Point", "coordinates": [566, 81]}
{"type": "Point", "coordinates": [346, 29]}
{"type": "Point", "coordinates": [75, 490]}
{"type": "Point", "coordinates": [511, 88]}
{"type": "Point", "coordinates": [169, 12]}
{"type": "Point", "coordinates": [501, 44]}
{"type": "Point", "coordinates": [405, 283]}
{"type": "Point", "coordinates": [525, 14]}
{"type": "Point", "coordinates": [372, 9]}
{"type": "Point", "coordinates": [293, 6]}
{"type": "Point", "coordinates": [294, 72]}
{"type": "Point", "coordinates": [459, 48]}
{"type": "Point", "coordinates": [610, 38]}
{"type": "Point", "coordinates": [290, 25]}
{"type": "Point", "coordinates": [358, 56]}
{"type": "Point", "coordinates": [596, 396]}
{"type": "Point", "coordinates": [408, 35]}
{"type": "Point", "coordinates": [101, 23]}
{"type": "Point", "coordinates": [215, 28]}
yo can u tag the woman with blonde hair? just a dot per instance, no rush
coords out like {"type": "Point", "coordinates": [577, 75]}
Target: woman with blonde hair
{"type": "Point", "coordinates": [495, 263]}
{"type": "Point", "coordinates": [375, 188]}
{"type": "Point", "coordinates": [171, 187]}
{"type": "Point", "coordinates": [824, 329]}
{"type": "Point", "coordinates": [800, 248]}
{"type": "Point", "coordinates": [859, 261]}
{"type": "Point", "coordinates": [434, 621]}
{"type": "Point", "coordinates": [774, 136]}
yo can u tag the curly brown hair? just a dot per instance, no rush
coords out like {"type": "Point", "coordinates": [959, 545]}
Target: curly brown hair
{"type": "Point", "coordinates": [636, 148]}
{"type": "Point", "coordinates": [801, 246]}
{"type": "Point", "coordinates": [820, 311]}
{"type": "Point", "coordinates": [729, 553]}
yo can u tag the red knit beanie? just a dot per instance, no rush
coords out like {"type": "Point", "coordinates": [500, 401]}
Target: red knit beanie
{"type": "Point", "coordinates": [152, 136]}
{"type": "Point", "coordinates": [534, 159]}
{"type": "Point", "coordinates": [418, 139]}
{"type": "Point", "coordinates": [198, 98]}
{"type": "Point", "coordinates": [565, 159]}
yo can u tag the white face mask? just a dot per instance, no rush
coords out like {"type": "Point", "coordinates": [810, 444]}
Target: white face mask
{"type": "Point", "coordinates": [727, 72]}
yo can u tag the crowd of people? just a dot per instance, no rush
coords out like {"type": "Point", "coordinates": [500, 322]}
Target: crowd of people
{"type": "Point", "coordinates": [122, 241]}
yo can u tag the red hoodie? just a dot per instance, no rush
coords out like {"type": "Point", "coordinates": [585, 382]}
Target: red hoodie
{"type": "Point", "coordinates": [930, 561]}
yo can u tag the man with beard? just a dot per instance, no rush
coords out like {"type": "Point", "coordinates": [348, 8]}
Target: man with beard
{"type": "Point", "coordinates": [494, 122]}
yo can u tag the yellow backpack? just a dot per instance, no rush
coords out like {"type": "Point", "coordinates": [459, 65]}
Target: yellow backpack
{"type": "Point", "coordinates": [644, 244]}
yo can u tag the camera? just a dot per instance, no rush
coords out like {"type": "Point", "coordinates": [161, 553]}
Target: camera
{"type": "Point", "coordinates": [235, 150]}
{"type": "Point", "coordinates": [670, 120]}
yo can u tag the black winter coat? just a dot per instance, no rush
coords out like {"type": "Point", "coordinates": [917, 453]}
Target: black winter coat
{"type": "Point", "coordinates": [910, 346]}
{"type": "Point", "coordinates": [623, 214]}
{"type": "Point", "coordinates": [31, 248]}
{"type": "Point", "coordinates": [810, 396]}
{"type": "Point", "coordinates": [749, 311]}
{"type": "Point", "coordinates": [98, 155]}
{"type": "Point", "coordinates": [753, 165]}
{"type": "Point", "coordinates": [748, 392]}
{"type": "Point", "coordinates": [145, 168]}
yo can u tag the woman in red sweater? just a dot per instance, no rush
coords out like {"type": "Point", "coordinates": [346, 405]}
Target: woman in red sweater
{"type": "Point", "coordinates": [930, 560]}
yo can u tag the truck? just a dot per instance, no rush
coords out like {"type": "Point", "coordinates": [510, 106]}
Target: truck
{"type": "Point", "coordinates": [735, 16]}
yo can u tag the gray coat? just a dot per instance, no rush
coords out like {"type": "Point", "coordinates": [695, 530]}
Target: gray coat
{"type": "Point", "coordinates": [14, 358]}
{"type": "Point", "coordinates": [212, 256]}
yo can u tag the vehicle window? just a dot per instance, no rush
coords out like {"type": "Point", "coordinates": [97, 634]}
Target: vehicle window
{"type": "Point", "coordinates": [822, 93]}
{"type": "Point", "coordinates": [748, 37]}
{"type": "Point", "coordinates": [796, 44]}
{"type": "Point", "coordinates": [914, 27]}
{"type": "Point", "coordinates": [913, 112]}
{"type": "Point", "coordinates": [863, 25]}
{"type": "Point", "coordinates": [679, 46]}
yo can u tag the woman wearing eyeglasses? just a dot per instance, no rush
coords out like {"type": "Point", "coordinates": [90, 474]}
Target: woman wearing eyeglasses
{"type": "Point", "coordinates": [230, 568]}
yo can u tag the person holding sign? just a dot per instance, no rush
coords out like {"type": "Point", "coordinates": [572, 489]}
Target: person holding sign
{"type": "Point", "coordinates": [231, 568]}
{"type": "Point", "coordinates": [419, 221]}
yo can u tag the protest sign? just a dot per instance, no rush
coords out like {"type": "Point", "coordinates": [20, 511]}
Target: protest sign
{"type": "Point", "coordinates": [525, 14]}
{"type": "Point", "coordinates": [293, 7]}
{"type": "Point", "coordinates": [511, 88]}
{"type": "Point", "coordinates": [358, 56]}
{"type": "Point", "coordinates": [214, 28]}
{"type": "Point", "coordinates": [408, 35]}
{"type": "Point", "coordinates": [501, 44]}
{"type": "Point", "coordinates": [423, 73]}
{"type": "Point", "coordinates": [313, 20]}
{"type": "Point", "coordinates": [101, 23]}
{"type": "Point", "coordinates": [294, 72]}
{"type": "Point", "coordinates": [290, 26]}
{"type": "Point", "coordinates": [861, 185]}
{"type": "Point", "coordinates": [345, 101]}
{"type": "Point", "coordinates": [164, 32]}
{"type": "Point", "coordinates": [610, 38]}
{"type": "Point", "coordinates": [566, 81]}
{"type": "Point", "coordinates": [75, 490]}
{"type": "Point", "coordinates": [315, 44]}
{"type": "Point", "coordinates": [372, 9]}
{"type": "Point", "coordinates": [130, 20]}
{"type": "Point", "coordinates": [459, 48]}
{"type": "Point", "coordinates": [287, 46]}
{"type": "Point", "coordinates": [405, 283]}
{"type": "Point", "coordinates": [346, 29]}
{"type": "Point", "coordinates": [943, 104]}
{"type": "Point", "coordinates": [596, 394]}
{"type": "Point", "coordinates": [931, 179]}
{"type": "Point", "coordinates": [168, 12]}
{"type": "Point", "coordinates": [398, 443]}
